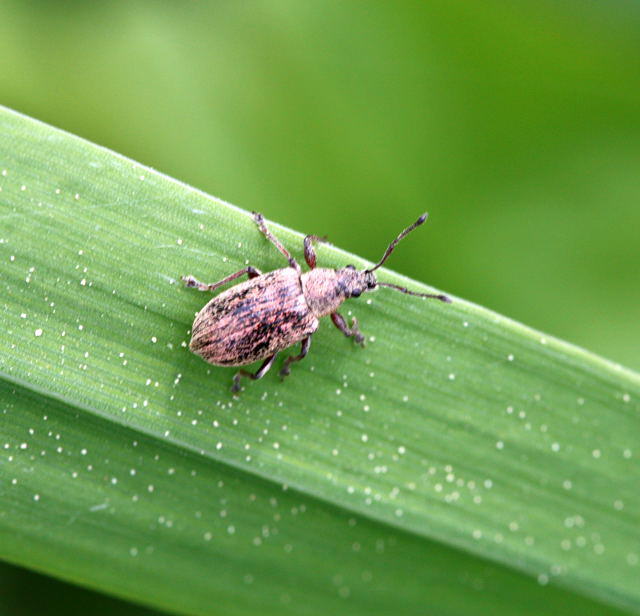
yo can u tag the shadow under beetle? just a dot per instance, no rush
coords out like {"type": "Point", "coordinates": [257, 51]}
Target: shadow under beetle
{"type": "Point", "coordinates": [270, 312]}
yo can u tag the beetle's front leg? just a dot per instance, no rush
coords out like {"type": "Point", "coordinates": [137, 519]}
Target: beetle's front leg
{"type": "Point", "coordinates": [190, 281]}
{"type": "Point", "coordinates": [349, 332]}
{"type": "Point", "coordinates": [304, 349]}
{"type": "Point", "coordinates": [309, 252]}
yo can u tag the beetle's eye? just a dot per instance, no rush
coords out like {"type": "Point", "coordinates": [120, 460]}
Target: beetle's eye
{"type": "Point", "coordinates": [351, 267]}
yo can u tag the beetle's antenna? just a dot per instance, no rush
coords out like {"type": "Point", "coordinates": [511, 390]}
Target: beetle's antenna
{"type": "Point", "coordinates": [442, 298]}
{"type": "Point", "coordinates": [393, 244]}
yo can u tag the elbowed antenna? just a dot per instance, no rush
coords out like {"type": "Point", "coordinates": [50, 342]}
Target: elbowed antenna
{"type": "Point", "coordinates": [442, 298]}
{"type": "Point", "coordinates": [393, 244]}
{"type": "Point", "coordinates": [390, 249]}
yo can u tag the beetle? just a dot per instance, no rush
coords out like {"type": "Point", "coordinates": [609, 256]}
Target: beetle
{"type": "Point", "coordinates": [268, 313]}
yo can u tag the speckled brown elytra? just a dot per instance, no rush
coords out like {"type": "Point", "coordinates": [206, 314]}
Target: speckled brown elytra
{"type": "Point", "coordinates": [270, 312]}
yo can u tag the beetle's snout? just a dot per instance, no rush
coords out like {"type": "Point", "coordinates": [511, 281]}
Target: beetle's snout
{"type": "Point", "coordinates": [363, 281]}
{"type": "Point", "coordinates": [370, 280]}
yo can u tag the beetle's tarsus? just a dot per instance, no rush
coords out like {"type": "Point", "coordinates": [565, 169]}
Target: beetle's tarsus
{"type": "Point", "coordinates": [304, 349]}
{"type": "Point", "coordinates": [254, 376]}
{"type": "Point", "coordinates": [192, 282]}
{"type": "Point", "coordinates": [189, 281]}
{"type": "Point", "coordinates": [350, 332]}
{"type": "Point", "coordinates": [358, 336]}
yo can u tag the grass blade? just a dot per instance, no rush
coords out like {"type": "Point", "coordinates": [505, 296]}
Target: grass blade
{"type": "Point", "coordinates": [461, 460]}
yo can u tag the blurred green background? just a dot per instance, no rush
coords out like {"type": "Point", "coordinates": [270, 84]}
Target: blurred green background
{"type": "Point", "coordinates": [516, 125]}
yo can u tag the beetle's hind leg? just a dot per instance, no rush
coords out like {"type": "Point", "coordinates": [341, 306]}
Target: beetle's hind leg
{"type": "Point", "coordinates": [349, 332]}
{"type": "Point", "coordinates": [259, 218]}
{"type": "Point", "coordinates": [254, 376]}
{"type": "Point", "coordinates": [190, 281]}
{"type": "Point", "coordinates": [304, 349]}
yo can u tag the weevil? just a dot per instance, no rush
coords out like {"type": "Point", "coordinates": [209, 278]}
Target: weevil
{"type": "Point", "coordinates": [268, 313]}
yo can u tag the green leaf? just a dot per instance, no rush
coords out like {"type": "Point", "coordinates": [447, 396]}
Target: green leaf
{"type": "Point", "coordinates": [461, 463]}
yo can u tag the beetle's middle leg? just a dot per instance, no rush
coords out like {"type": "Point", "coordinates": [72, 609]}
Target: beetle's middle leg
{"type": "Point", "coordinates": [349, 332]}
{"type": "Point", "coordinates": [190, 281]}
{"type": "Point", "coordinates": [304, 349]}
{"type": "Point", "coordinates": [259, 218]}
{"type": "Point", "coordinates": [254, 376]}
{"type": "Point", "coordinates": [309, 252]}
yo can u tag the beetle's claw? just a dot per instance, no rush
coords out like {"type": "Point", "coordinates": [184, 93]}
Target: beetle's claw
{"type": "Point", "coordinates": [356, 333]}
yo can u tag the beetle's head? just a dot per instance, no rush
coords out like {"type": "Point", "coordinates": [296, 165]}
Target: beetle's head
{"type": "Point", "coordinates": [366, 279]}
{"type": "Point", "coordinates": [353, 282]}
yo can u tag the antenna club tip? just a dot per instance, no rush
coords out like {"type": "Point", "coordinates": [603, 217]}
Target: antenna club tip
{"type": "Point", "coordinates": [422, 218]}
{"type": "Point", "coordinates": [444, 298]}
